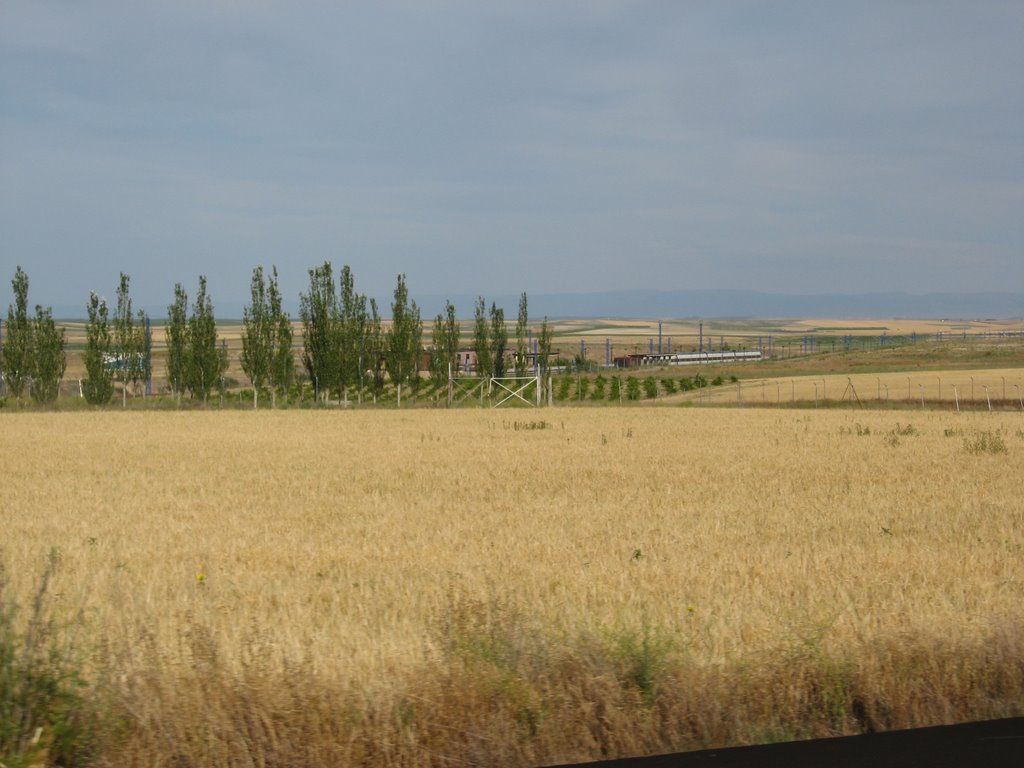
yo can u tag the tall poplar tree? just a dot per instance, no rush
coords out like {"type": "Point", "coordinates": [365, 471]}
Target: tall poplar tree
{"type": "Point", "coordinates": [282, 364]}
{"type": "Point", "coordinates": [375, 350]}
{"type": "Point", "coordinates": [128, 340]}
{"type": "Point", "coordinates": [256, 323]}
{"type": "Point", "coordinates": [318, 311]}
{"type": "Point", "coordinates": [353, 322]}
{"type": "Point", "coordinates": [438, 352]}
{"type": "Point", "coordinates": [452, 334]}
{"type": "Point", "coordinates": [16, 353]}
{"type": "Point", "coordinates": [49, 359]}
{"type": "Point", "coordinates": [499, 341]}
{"type": "Point", "coordinates": [544, 349]}
{"type": "Point", "coordinates": [447, 334]}
{"type": "Point", "coordinates": [207, 362]}
{"type": "Point", "coordinates": [266, 338]}
{"type": "Point", "coordinates": [349, 328]}
{"type": "Point", "coordinates": [522, 334]}
{"type": "Point", "coordinates": [177, 342]}
{"type": "Point", "coordinates": [146, 369]}
{"type": "Point", "coordinates": [481, 338]}
{"type": "Point", "coordinates": [403, 338]}
{"type": "Point", "coordinates": [98, 386]}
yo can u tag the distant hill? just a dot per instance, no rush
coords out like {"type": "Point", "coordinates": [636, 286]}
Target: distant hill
{"type": "Point", "coordinates": [702, 303]}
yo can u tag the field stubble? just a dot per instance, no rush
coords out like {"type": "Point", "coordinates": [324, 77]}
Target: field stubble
{"type": "Point", "coordinates": [412, 588]}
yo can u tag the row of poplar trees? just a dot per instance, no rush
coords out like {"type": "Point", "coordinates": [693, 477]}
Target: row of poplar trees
{"type": "Point", "coordinates": [490, 343]}
{"type": "Point", "coordinates": [345, 346]}
{"type": "Point", "coordinates": [119, 347]}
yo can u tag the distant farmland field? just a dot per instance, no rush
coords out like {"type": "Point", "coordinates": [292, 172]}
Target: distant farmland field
{"type": "Point", "coordinates": [435, 588]}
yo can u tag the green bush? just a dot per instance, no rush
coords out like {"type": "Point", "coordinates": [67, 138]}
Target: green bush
{"type": "Point", "coordinates": [616, 388]}
{"type": "Point", "coordinates": [564, 384]}
{"type": "Point", "coordinates": [582, 388]}
{"type": "Point", "coordinates": [632, 389]}
{"type": "Point", "coordinates": [650, 388]}
{"type": "Point", "coordinates": [599, 386]}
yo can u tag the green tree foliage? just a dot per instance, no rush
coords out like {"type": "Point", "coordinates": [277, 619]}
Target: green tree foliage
{"type": "Point", "coordinates": [452, 335]}
{"type": "Point", "coordinates": [564, 384]}
{"type": "Point", "coordinates": [438, 352]}
{"type": "Point", "coordinates": [544, 348]}
{"type": "Point", "coordinates": [615, 390]}
{"type": "Point", "coordinates": [522, 334]}
{"type": "Point", "coordinates": [282, 364]}
{"type": "Point", "coordinates": [98, 386]}
{"type": "Point", "coordinates": [49, 358]}
{"type": "Point", "coordinates": [350, 333]}
{"type": "Point", "coordinates": [582, 387]}
{"type": "Point", "coordinates": [444, 353]}
{"type": "Point", "coordinates": [403, 338]}
{"type": "Point", "coordinates": [16, 353]}
{"type": "Point", "coordinates": [256, 335]}
{"type": "Point", "coordinates": [482, 338]}
{"type": "Point", "coordinates": [650, 387]}
{"type": "Point", "coordinates": [206, 361]}
{"type": "Point", "coordinates": [177, 342]}
{"type": "Point", "coordinates": [499, 341]}
{"type": "Point", "coordinates": [318, 311]}
{"type": "Point", "coordinates": [33, 353]}
{"type": "Point", "coordinates": [335, 325]}
{"type": "Point", "coordinates": [375, 351]}
{"type": "Point", "coordinates": [632, 388]}
{"type": "Point", "coordinates": [129, 340]}
{"type": "Point", "coordinates": [147, 348]}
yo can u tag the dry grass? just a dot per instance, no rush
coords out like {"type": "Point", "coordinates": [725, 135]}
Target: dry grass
{"type": "Point", "coordinates": [431, 587]}
{"type": "Point", "coordinates": [971, 389]}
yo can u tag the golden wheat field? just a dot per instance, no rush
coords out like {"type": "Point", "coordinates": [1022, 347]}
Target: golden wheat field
{"type": "Point", "coordinates": [519, 587]}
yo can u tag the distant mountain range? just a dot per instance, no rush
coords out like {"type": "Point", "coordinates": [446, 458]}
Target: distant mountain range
{"type": "Point", "coordinates": [732, 304]}
{"type": "Point", "coordinates": [650, 304]}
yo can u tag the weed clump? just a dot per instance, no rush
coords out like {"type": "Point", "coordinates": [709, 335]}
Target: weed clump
{"type": "Point", "coordinates": [859, 429]}
{"type": "Point", "coordinates": [44, 718]}
{"type": "Point", "coordinates": [985, 442]}
{"type": "Point", "coordinates": [527, 426]}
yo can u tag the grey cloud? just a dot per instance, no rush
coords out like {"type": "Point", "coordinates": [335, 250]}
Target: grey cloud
{"type": "Point", "coordinates": [541, 146]}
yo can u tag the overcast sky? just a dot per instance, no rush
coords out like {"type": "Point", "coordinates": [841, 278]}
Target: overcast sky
{"type": "Point", "coordinates": [794, 147]}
